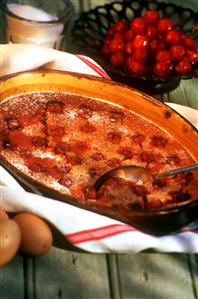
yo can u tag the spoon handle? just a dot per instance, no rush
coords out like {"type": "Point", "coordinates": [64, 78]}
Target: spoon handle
{"type": "Point", "coordinates": [180, 170]}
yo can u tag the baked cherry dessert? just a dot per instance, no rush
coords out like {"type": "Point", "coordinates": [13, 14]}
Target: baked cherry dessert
{"type": "Point", "coordinates": [150, 46]}
{"type": "Point", "coordinates": [67, 141]}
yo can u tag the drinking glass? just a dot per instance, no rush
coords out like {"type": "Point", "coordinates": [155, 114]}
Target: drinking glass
{"type": "Point", "coordinates": [39, 22]}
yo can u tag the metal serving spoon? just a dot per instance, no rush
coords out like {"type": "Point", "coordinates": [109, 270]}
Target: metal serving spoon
{"type": "Point", "coordinates": [138, 174]}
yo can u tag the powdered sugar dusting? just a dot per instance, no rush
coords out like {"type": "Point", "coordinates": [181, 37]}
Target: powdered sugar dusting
{"type": "Point", "coordinates": [46, 154]}
{"type": "Point", "coordinates": [33, 130]}
{"type": "Point", "coordinates": [72, 114]}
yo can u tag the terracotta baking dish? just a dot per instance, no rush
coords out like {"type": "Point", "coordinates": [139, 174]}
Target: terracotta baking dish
{"type": "Point", "coordinates": [152, 221]}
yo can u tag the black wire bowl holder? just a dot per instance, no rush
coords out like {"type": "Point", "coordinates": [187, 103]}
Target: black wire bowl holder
{"type": "Point", "coordinates": [89, 31]}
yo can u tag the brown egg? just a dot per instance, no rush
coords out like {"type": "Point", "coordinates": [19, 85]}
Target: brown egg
{"type": "Point", "coordinates": [37, 237]}
{"type": "Point", "coordinates": [10, 239]}
{"type": "Point", "coordinates": [3, 214]}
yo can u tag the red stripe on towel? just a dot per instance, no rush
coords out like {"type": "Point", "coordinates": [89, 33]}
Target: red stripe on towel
{"type": "Point", "coordinates": [94, 67]}
{"type": "Point", "coordinates": [98, 233]}
{"type": "Point", "coordinates": [191, 230]}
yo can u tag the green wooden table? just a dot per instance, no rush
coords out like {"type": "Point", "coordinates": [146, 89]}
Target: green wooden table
{"type": "Point", "coordinates": [68, 274]}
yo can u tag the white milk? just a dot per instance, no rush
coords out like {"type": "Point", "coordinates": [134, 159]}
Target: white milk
{"type": "Point", "coordinates": [32, 32]}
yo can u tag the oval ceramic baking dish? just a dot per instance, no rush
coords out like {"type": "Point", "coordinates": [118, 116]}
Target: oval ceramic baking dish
{"type": "Point", "coordinates": [164, 219]}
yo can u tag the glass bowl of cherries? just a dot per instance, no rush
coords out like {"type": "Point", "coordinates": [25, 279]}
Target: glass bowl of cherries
{"type": "Point", "coordinates": [144, 44]}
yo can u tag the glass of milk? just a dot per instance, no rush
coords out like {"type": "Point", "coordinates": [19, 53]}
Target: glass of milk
{"type": "Point", "coordinates": [40, 22]}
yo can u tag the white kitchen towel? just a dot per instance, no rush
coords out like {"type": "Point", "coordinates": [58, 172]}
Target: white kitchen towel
{"type": "Point", "coordinates": [84, 229]}
{"type": "Point", "coordinates": [23, 57]}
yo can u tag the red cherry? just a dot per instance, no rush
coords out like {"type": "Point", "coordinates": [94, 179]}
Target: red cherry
{"type": "Point", "coordinates": [128, 35]}
{"type": "Point", "coordinates": [192, 56]}
{"type": "Point", "coordinates": [152, 16]}
{"type": "Point", "coordinates": [140, 41]}
{"type": "Point", "coordinates": [107, 41]}
{"type": "Point", "coordinates": [110, 32]}
{"type": "Point", "coordinates": [106, 50]}
{"type": "Point", "coordinates": [129, 48]}
{"type": "Point", "coordinates": [161, 36]}
{"type": "Point", "coordinates": [120, 26]}
{"type": "Point", "coordinates": [157, 45]}
{"type": "Point", "coordinates": [162, 45]}
{"type": "Point", "coordinates": [173, 37]}
{"type": "Point", "coordinates": [117, 59]}
{"type": "Point", "coordinates": [189, 43]}
{"type": "Point", "coordinates": [164, 56]}
{"type": "Point", "coordinates": [135, 67]}
{"type": "Point", "coordinates": [182, 35]}
{"type": "Point", "coordinates": [118, 36]}
{"type": "Point", "coordinates": [154, 46]}
{"type": "Point", "coordinates": [162, 69]}
{"type": "Point", "coordinates": [178, 52]}
{"type": "Point", "coordinates": [138, 25]}
{"type": "Point", "coordinates": [183, 67]}
{"type": "Point", "coordinates": [164, 25]}
{"type": "Point", "coordinates": [151, 32]}
{"type": "Point", "coordinates": [116, 46]}
{"type": "Point", "coordinates": [140, 54]}
{"type": "Point", "coordinates": [90, 192]}
{"type": "Point", "coordinates": [155, 203]}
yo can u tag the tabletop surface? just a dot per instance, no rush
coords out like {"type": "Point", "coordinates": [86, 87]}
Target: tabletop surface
{"type": "Point", "coordinates": [69, 274]}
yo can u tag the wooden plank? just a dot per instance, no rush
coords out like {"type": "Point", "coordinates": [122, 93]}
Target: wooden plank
{"type": "Point", "coordinates": [29, 289]}
{"type": "Point", "coordinates": [64, 274]}
{"type": "Point", "coordinates": [155, 275]}
{"type": "Point", "coordinates": [12, 279]}
{"type": "Point", "coordinates": [193, 268]}
{"type": "Point", "coordinates": [114, 277]}
{"type": "Point", "coordinates": [193, 4]}
{"type": "Point", "coordinates": [188, 4]}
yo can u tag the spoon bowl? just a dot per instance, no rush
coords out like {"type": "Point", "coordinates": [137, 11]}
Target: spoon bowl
{"type": "Point", "coordinates": [138, 174]}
